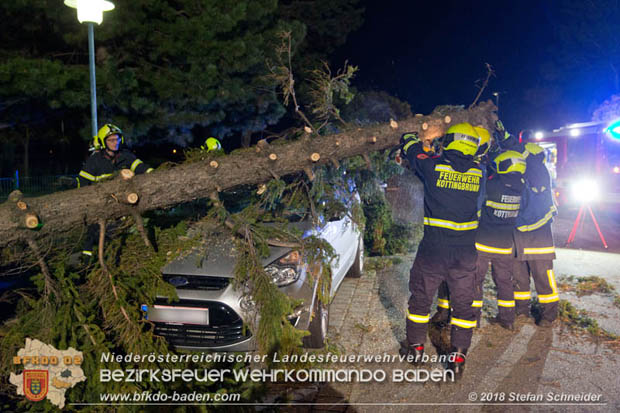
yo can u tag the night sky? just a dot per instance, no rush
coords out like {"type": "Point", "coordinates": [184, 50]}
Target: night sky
{"type": "Point", "coordinates": [432, 53]}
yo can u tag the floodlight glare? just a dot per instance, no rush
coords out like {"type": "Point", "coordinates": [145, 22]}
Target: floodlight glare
{"type": "Point", "coordinates": [90, 10]}
{"type": "Point", "coordinates": [539, 135]}
{"type": "Point", "coordinates": [617, 169]}
{"type": "Point", "coordinates": [575, 132]}
{"type": "Point", "coordinates": [585, 190]}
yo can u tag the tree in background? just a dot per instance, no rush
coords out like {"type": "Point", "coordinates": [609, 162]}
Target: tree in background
{"type": "Point", "coordinates": [164, 67]}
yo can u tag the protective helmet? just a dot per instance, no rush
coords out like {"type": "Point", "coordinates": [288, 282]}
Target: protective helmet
{"type": "Point", "coordinates": [485, 141]}
{"type": "Point", "coordinates": [462, 137]}
{"type": "Point", "coordinates": [211, 144]}
{"type": "Point", "coordinates": [508, 162]}
{"type": "Point", "coordinates": [105, 131]}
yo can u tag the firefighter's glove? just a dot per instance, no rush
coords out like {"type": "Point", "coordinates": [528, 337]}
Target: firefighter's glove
{"type": "Point", "coordinates": [408, 139]}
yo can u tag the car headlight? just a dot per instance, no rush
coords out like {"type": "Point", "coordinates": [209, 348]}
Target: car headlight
{"type": "Point", "coordinates": [285, 271]}
{"type": "Point", "coordinates": [585, 190]}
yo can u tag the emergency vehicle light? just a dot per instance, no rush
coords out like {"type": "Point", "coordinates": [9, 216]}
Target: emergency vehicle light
{"type": "Point", "coordinates": [575, 132]}
{"type": "Point", "coordinates": [539, 135]}
{"type": "Point", "coordinates": [585, 190]}
{"type": "Point", "coordinates": [614, 129]}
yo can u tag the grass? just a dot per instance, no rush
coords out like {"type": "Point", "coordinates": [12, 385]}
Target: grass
{"type": "Point", "coordinates": [580, 320]}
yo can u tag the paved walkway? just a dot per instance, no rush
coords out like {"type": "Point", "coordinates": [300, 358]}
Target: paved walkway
{"type": "Point", "coordinates": [367, 317]}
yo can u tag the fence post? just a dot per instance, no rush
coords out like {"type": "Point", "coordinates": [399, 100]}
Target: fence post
{"type": "Point", "coordinates": [16, 179]}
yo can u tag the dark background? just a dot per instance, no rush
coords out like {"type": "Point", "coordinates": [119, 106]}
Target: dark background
{"type": "Point", "coordinates": [433, 53]}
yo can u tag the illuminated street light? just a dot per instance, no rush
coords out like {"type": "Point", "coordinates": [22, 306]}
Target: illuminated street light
{"type": "Point", "coordinates": [539, 135]}
{"type": "Point", "coordinates": [575, 132]}
{"type": "Point", "coordinates": [91, 11]}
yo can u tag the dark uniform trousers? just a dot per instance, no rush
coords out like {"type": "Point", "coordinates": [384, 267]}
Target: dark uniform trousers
{"type": "Point", "coordinates": [432, 265]}
{"type": "Point", "coordinates": [535, 254]}
{"type": "Point", "coordinates": [546, 287]}
{"type": "Point", "coordinates": [502, 273]}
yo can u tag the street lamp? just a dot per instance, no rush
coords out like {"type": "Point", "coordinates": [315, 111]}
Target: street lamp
{"type": "Point", "coordinates": [91, 11]}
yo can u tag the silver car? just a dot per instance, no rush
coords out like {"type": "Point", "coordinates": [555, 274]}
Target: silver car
{"type": "Point", "coordinates": [212, 314]}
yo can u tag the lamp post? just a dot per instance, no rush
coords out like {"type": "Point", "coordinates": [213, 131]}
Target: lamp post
{"type": "Point", "coordinates": [91, 11]}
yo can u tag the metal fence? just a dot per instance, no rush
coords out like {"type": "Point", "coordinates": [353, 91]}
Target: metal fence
{"type": "Point", "coordinates": [36, 185]}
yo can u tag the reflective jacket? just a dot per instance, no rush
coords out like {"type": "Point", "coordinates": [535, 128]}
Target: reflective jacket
{"type": "Point", "coordinates": [99, 166]}
{"type": "Point", "coordinates": [533, 236]}
{"type": "Point", "coordinates": [451, 187]}
{"type": "Point", "coordinates": [499, 215]}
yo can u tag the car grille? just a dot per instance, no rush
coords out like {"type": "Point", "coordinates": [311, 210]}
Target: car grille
{"type": "Point", "coordinates": [197, 282]}
{"type": "Point", "coordinates": [225, 327]}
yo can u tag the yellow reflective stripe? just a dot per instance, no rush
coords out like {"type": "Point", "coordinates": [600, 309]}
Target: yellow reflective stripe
{"type": "Point", "coordinates": [408, 144]}
{"type": "Point", "coordinates": [148, 171]}
{"type": "Point", "coordinates": [135, 164]}
{"type": "Point", "coordinates": [486, 248]}
{"type": "Point", "coordinates": [463, 323]}
{"type": "Point", "coordinates": [504, 206]}
{"type": "Point", "coordinates": [540, 223]}
{"type": "Point", "coordinates": [523, 295]}
{"type": "Point", "coordinates": [456, 226]}
{"type": "Point", "coordinates": [548, 298]}
{"type": "Point", "coordinates": [552, 283]}
{"type": "Point", "coordinates": [443, 303]}
{"type": "Point", "coordinates": [86, 252]}
{"type": "Point", "coordinates": [448, 168]}
{"type": "Point", "coordinates": [505, 303]}
{"type": "Point", "coordinates": [78, 182]}
{"type": "Point", "coordinates": [102, 177]}
{"type": "Point", "coordinates": [477, 303]}
{"type": "Point", "coordinates": [545, 250]}
{"type": "Point", "coordinates": [88, 176]}
{"type": "Point", "coordinates": [419, 318]}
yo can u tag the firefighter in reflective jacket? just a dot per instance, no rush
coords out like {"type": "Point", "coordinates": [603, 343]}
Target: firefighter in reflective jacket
{"type": "Point", "coordinates": [494, 241]}
{"type": "Point", "coordinates": [442, 315]}
{"type": "Point", "coordinates": [109, 156]}
{"type": "Point", "coordinates": [451, 187]}
{"type": "Point", "coordinates": [532, 236]}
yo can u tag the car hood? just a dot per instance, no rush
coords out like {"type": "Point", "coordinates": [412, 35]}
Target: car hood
{"type": "Point", "coordinates": [217, 256]}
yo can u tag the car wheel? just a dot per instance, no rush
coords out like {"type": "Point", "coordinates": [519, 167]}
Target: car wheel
{"type": "Point", "coordinates": [357, 268]}
{"type": "Point", "coordinates": [318, 326]}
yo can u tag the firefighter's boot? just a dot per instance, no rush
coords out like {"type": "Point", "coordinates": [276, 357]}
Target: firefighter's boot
{"type": "Point", "coordinates": [413, 352]}
{"type": "Point", "coordinates": [456, 362]}
{"type": "Point", "coordinates": [441, 316]}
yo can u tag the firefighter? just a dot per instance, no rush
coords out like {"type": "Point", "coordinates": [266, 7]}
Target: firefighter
{"type": "Point", "coordinates": [532, 236]}
{"type": "Point", "coordinates": [451, 187]}
{"type": "Point", "coordinates": [443, 295]}
{"type": "Point", "coordinates": [109, 156]}
{"type": "Point", "coordinates": [494, 240]}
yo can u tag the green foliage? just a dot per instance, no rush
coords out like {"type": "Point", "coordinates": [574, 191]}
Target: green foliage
{"type": "Point", "coordinates": [579, 319]}
{"type": "Point", "coordinates": [326, 89]}
{"type": "Point", "coordinates": [163, 66]}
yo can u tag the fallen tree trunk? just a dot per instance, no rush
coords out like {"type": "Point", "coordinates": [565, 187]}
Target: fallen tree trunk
{"type": "Point", "coordinates": [65, 210]}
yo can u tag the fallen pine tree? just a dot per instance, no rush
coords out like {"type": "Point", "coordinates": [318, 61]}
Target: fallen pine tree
{"type": "Point", "coordinates": [49, 216]}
